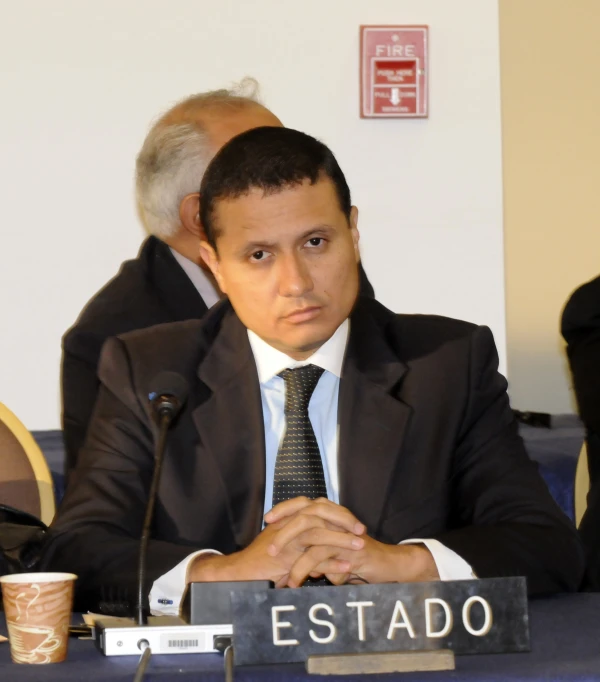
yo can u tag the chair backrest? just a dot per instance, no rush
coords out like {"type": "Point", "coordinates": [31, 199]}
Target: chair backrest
{"type": "Point", "coordinates": [582, 485]}
{"type": "Point", "coordinates": [25, 480]}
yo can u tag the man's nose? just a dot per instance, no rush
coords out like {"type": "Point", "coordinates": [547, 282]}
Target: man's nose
{"type": "Point", "coordinates": [294, 276]}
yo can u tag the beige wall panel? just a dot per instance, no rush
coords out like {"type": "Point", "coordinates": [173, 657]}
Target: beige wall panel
{"type": "Point", "coordinates": [550, 76]}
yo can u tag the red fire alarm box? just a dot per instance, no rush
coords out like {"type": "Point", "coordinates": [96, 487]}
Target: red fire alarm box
{"type": "Point", "coordinates": [393, 71]}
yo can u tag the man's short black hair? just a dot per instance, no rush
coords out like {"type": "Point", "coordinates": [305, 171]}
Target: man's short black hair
{"type": "Point", "coordinates": [270, 159]}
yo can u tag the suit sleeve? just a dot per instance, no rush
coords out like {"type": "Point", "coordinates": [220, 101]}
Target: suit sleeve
{"type": "Point", "coordinates": [79, 390]}
{"type": "Point", "coordinates": [97, 529]}
{"type": "Point", "coordinates": [504, 519]}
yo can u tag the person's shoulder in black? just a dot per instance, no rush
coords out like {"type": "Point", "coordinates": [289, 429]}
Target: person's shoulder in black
{"type": "Point", "coordinates": [581, 314]}
{"type": "Point", "coordinates": [580, 326]}
{"type": "Point", "coordinates": [151, 289]}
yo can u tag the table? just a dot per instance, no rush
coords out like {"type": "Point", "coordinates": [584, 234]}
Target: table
{"type": "Point", "coordinates": [565, 634]}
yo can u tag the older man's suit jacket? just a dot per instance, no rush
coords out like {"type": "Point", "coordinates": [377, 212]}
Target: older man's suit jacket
{"type": "Point", "coordinates": [581, 330]}
{"type": "Point", "coordinates": [148, 290]}
{"type": "Point", "coordinates": [428, 448]}
{"type": "Point", "coordinates": [151, 289]}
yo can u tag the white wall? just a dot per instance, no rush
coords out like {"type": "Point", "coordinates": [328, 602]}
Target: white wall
{"type": "Point", "coordinates": [80, 83]}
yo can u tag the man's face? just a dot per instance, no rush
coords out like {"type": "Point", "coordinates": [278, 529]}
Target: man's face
{"type": "Point", "coordinates": [288, 262]}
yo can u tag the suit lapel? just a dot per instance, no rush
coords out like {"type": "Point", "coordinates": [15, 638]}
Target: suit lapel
{"type": "Point", "coordinates": [372, 420]}
{"type": "Point", "coordinates": [231, 426]}
{"type": "Point", "coordinates": [174, 288]}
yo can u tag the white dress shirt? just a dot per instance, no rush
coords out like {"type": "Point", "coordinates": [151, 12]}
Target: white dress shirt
{"type": "Point", "coordinates": [166, 592]}
{"type": "Point", "coordinates": [204, 285]}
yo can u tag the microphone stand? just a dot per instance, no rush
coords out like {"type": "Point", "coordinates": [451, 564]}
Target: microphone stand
{"type": "Point", "coordinates": [164, 416]}
{"type": "Point", "coordinates": [142, 665]}
{"type": "Point", "coordinates": [114, 637]}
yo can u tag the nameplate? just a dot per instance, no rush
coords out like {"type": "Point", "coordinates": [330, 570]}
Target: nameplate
{"type": "Point", "coordinates": [466, 616]}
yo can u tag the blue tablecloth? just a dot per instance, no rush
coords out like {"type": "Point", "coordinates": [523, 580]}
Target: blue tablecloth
{"type": "Point", "coordinates": [565, 633]}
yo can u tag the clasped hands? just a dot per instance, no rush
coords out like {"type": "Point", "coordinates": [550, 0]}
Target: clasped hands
{"type": "Point", "coordinates": [317, 538]}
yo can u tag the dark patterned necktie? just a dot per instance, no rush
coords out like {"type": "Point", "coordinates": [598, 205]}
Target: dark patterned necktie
{"type": "Point", "coordinates": [298, 467]}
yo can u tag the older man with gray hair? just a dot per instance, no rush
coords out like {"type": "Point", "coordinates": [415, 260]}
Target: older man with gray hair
{"type": "Point", "coordinates": [168, 281]}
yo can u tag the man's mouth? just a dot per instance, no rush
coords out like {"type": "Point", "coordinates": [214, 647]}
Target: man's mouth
{"type": "Point", "coordinates": [303, 314]}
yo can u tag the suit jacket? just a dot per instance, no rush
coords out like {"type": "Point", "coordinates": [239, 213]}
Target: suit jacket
{"type": "Point", "coordinates": [581, 330]}
{"type": "Point", "coordinates": [151, 289]}
{"type": "Point", "coordinates": [428, 447]}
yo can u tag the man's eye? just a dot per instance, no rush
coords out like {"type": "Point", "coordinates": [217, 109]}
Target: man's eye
{"type": "Point", "coordinates": [258, 255]}
{"type": "Point", "coordinates": [316, 241]}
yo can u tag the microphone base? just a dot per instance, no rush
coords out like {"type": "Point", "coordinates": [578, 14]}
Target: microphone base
{"type": "Point", "coordinates": [116, 637]}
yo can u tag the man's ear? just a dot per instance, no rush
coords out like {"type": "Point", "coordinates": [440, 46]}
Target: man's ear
{"type": "Point", "coordinates": [211, 258]}
{"type": "Point", "coordinates": [189, 215]}
{"type": "Point", "coordinates": [354, 230]}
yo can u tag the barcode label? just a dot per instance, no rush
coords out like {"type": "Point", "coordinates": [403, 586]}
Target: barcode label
{"type": "Point", "coordinates": [190, 639]}
{"type": "Point", "coordinates": [182, 643]}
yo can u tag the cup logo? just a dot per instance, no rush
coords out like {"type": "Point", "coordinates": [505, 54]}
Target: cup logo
{"type": "Point", "coordinates": [32, 644]}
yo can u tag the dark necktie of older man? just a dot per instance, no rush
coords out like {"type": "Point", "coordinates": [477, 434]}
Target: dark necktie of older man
{"type": "Point", "coordinates": [298, 467]}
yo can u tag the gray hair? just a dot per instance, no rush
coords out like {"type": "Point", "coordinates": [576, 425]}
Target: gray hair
{"type": "Point", "coordinates": [176, 153]}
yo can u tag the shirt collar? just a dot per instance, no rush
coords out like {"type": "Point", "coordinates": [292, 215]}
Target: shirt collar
{"type": "Point", "coordinates": [270, 361]}
{"type": "Point", "coordinates": [210, 295]}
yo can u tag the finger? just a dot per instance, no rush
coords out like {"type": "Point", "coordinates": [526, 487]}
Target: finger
{"type": "Point", "coordinates": [281, 524]}
{"type": "Point", "coordinates": [327, 569]}
{"type": "Point", "coordinates": [334, 514]}
{"type": "Point", "coordinates": [287, 533]}
{"type": "Point", "coordinates": [277, 525]}
{"type": "Point", "coordinates": [311, 561]}
{"type": "Point", "coordinates": [322, 507]}
{"type": "Point", "coordinates": [338, 578]}
{"type": "Point", "coordinates": [316, 537]}
{"type": "Point", "coordinates": [305, 530]}
{"type": "Point", "coordinates": [282, 582]}
{"type": "Point", "coordinates": [312, 538]}
{"type": "Point", "coordinates": [287, 508]}
{"type": "Point", "coordinates": [334, 578]}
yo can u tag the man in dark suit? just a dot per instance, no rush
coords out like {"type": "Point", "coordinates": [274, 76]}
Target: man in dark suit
{"type": "Point", "coordinates": [168, 281]}
{"type": "Point", "coordinates": [376, 447]}
{"type": "Point", "coordinates": [581, 330]}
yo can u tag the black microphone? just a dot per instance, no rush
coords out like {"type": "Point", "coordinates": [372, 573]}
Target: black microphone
{"type": "Point", "coordinates": [117, 638]}
{"type": "Point", "coordinates": [167, 397]}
